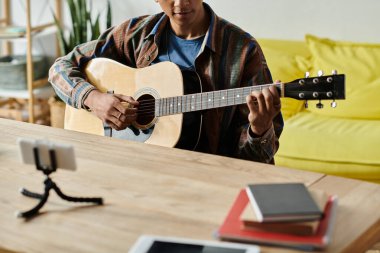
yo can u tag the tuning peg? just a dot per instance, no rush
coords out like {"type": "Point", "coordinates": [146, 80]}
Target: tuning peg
{"type": "Point", "coordinates": [307, 74]}
{"type": "Point", "coordinates": [319, 105]}
{"type": "Point", "coordinates": [320, 73]}
{"type": "Point", "coordinates": [334, 72]}
{"type": "Point", "coordinates": [306, 104]}
{"type": "Point", "coordinates": [333, 104]}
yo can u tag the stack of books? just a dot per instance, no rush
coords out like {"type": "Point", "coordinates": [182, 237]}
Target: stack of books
{"type": "Point", "coordinates": [281, 214]}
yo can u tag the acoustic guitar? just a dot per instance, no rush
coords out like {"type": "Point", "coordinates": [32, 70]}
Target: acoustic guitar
{"type": "Point", "coordinates": [171, 101]}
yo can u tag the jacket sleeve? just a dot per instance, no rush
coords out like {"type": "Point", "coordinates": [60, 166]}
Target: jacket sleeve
{"type": "Point", "coordinates": [263, 148]}
{"type": "Point", "coordinates": [66, 74]}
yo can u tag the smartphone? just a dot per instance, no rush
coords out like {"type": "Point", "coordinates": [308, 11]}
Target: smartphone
{"type": "Point", "coordinates": [65, 157]}
{"type": "Point", "coordinates": [159, 244]}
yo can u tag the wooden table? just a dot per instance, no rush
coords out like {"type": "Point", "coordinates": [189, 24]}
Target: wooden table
{"type": "Point", "coordinates": [152, 190]}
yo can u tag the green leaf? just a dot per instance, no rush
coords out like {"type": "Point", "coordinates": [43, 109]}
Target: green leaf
{"type": "Point", "coordinates": [78, 29]}
{"type": "Point", "coordinates": [95, 29]}
{"type": "Point", "coordinates": [83, 27]}
{"type": "Point", "coordinates": [72, 15]}
{"type": "Point", "coordinates": [83, 18]}
{"type": "Point", "coordinates": [109, 15]}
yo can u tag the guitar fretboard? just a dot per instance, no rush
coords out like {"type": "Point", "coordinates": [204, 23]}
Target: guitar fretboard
{"type": "Point", "coordinates": [205, 100]}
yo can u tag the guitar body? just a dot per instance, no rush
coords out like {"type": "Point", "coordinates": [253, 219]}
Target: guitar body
{"type": "Point", "coordinates": [159, 81]}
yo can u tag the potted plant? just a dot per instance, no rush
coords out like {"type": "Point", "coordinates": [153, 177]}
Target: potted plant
{"type": "Point", "coordinates": [83, 29]}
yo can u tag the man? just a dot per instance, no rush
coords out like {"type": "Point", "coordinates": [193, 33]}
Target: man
{"type": "Point", "coordinates": [191, 35]}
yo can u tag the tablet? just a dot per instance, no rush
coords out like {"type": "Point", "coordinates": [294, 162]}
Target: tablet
{"type": "Point", "coordinates": [159, 244]}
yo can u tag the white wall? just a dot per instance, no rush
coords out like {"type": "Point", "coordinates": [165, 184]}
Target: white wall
{"type": "Point", "coordinates": [291, 19]}
{"type": "Point", "coordinates": [287, 19]}
{"type": "Point", "coordinates": [338, 19]}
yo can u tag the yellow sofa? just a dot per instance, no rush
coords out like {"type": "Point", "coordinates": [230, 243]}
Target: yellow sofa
{"type": "Point", "coordinates": [345, 140]}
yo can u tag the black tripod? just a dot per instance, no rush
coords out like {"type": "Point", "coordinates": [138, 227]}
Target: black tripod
{"type": "Point", "coordinates": [49, 184]}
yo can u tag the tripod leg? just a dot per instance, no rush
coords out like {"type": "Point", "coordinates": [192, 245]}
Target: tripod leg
{"type": "Point", "coordinates": [35, 209]}
{"type": "Point", "coordinates": [30, 194]}
{"type": "Point", "coordinates": [98, 201]}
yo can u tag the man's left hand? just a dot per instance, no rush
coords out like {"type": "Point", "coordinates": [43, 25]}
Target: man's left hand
{"type": "Point", "coordinates": [263, 107]}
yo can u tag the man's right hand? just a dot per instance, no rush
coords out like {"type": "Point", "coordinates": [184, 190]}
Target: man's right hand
{"type": "Point", "coordinates": [110, 109]}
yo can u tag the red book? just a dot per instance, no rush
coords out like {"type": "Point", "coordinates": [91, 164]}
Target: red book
{"type": "Point", "coordinates": [233, 228]}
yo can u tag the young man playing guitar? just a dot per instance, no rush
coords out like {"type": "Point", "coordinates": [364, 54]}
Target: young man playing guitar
{"type": "Point", "coordinates": [192, 36]}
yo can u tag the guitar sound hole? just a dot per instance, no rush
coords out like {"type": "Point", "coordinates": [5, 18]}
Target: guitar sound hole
{"type": "Point", "coordinates": [145, 114]}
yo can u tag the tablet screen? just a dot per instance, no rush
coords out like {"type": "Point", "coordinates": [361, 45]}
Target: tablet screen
{"type": "Point", "coordinates": [171, 247]}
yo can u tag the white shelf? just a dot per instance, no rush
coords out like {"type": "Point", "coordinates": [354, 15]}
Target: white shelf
{"type": "Point", "coordinates": [43, 92]}
{"type": "Point", "coordinates": [8, 33]}
{"type": "Point", "coordinates": [12, 32]}
{"type": "Point", "coordinates": [18, 33]}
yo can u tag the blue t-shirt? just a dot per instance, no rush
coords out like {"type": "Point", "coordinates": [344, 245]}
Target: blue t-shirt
{"type": "Point", "coordinates": [179, 51]}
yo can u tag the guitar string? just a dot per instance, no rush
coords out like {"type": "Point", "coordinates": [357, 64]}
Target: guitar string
{"type": "Point", "coordinates": [150, 109]}
{"type": "Point", "coordinates": [150, 104]}
{"type": "Point", "coordinates": [228, 90]}
{"type": "Point", "coordinates": [147, 106]}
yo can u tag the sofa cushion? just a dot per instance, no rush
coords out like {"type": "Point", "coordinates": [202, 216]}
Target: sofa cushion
{"type": "Point", "coordinates": [360, 63]}
{"type": "Point", "coordinates": [285, 58]}
{"type": "Point", "coordinates": [368, 172]}
{"type": "Point", "coordinates": [287, 61]}
{"type": "Point", "coordinates": [322, 138]}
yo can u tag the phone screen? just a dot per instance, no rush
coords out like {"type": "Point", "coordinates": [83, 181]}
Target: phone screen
{"type": "Point", "coordinates": [170, 247]}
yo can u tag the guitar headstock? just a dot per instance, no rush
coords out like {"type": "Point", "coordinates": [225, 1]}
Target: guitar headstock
{"type": "Point", "coordinates": [330, 87]}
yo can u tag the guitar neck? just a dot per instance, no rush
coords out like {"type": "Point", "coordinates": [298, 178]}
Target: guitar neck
{"type": "Point", "coordinates": [206, 100]}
